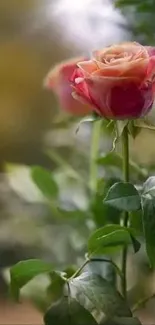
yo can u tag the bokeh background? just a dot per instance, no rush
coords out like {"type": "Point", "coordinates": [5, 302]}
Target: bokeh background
{"type": "Point", "coordinates": [35, 35]}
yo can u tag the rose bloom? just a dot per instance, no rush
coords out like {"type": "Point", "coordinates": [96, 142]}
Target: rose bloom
{"type": "Point", "coordinates": [58, 80]}
{"type": "Point", "coordinates": [118, 82]}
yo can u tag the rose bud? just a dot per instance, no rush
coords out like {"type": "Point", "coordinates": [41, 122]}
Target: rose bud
{"type": "Point", "coordinates": [58, 80]}
{"type": "Point", "coordinates": [118, 82]}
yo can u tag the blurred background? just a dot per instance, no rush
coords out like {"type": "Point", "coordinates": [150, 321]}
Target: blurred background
{"type": "Point", "coordinates": [34, 130]}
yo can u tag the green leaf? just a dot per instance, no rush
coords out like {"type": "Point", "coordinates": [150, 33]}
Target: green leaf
{"type": "Point", "coordinates": [103, 213]}
{"type": "Point", "coordinates": [149, 227]}
{"type": "Point", "coordinates": [136, 244]}
{"type": "Point", "coordinates": [70, 270]}
{"type": "Point", "coordinates": [88, 119]}
{"type": "Point", "coordinates": [129, 321]}
{"type": "Point", "coordinates": [101, 294]}
{"type": "Point", "coordinates": [114, 159]}
{"type": "Point", "coordinates": [149, 186]}
{"type": "Point", "coordinates": [145, 123]}
{"type": "Point", "coordinates": [104, 267]}
{"type": "Point", "coordinates": [118, 129]}
{"type": "Point", "coordinates": [120, 3]}
{"type": "Point", "coordinates": [123, 321]}
{"type": "Point", "coordinates": [73, 214]}
{"type": "Point", "coordinates": [108, 239]}
{"type": "Point", "coordinates": [120, 125]}
{"type": "Point", "coordinates": [110, 159]}
{"type": "Point", "coordinates": [24, 271]}
{"type": "Point", "coordinates": [68, 312]}
{"type": "Point", "coordinates": [55, 289]}
{"type": "Point", "coordinates": [123, 196]}
{"type": "Point", "coordinates": [136, 222]}
{"type": "Point", "coordinates": [44, 181]}
{"type": "Point", "coordinates": [146, 7]}
{"type": "Point", "coordinates": [133, 129]}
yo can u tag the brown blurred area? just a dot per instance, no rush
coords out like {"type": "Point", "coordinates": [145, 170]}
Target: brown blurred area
{"type": "Point", "coordinates": [29, 45]}
{"type": "Point", "coordinates": [27, 110]}
{"type": "Point", "coordinates": [17, 314]}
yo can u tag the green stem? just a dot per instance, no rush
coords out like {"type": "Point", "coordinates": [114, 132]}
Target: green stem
{"type": "Point", "coordinates": [80, 269]}
{"type": "Point", "coordinates": [142, 302]}
{"type": "Point", "coordinates": [125, 148]}
{"type": "Point", "coordinates": [94, 154]}
{"type": "Point", "coordinates": [92, 259]}
{"type": "Point", "coordinates": [108, 261]}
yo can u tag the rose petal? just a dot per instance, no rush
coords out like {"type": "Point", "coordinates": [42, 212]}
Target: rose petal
{"type": "Point", "coordinates": [80, 86]}
{"type": "Point", "coordinates": [119, 98]}
{"type": "Point", "coordinates": [150, 50]}
{"type": "Point", "coordinates": [87, 66]}
{"type": "Point", "coordinates": [98, 92]}
{"type": "Point", "coordinates": [150, 75]}
{"type": "Point", "coordinates": [63, 71]}
{"type": "Point", "coordinates": [83, 100]}
{"type": "Point", "coordinates": [128, 69]}
{"type": "Point", "coordinates": [79, 83]}
{"type": "Point", "coordinates": [128, 101]}
{"type": "Point", "coordinates": [58, 79]}
{"type": "Point", "coordinates": [128, 47]}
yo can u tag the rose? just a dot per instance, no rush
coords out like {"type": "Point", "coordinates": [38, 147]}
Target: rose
{"type": "Point", "coordinates": [118, 81]}
{"type": "Point", "coordinates": [58, 80]}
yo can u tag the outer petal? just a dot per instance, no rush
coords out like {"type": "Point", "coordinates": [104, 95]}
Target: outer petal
{"type": "Point", "coordinates": [62, 70]}
{"type": "Point", "coordinates": [150, 50]}
{"type": "Point", "coordinates": [88, 67]}
{"type": "Point", "coordinates": [69, 104]}
{"type": "Point", "coordinates": [58, 80]}
{"type": "Point", "coordinates": [79, 83]}
{"type": "Point", "coordinates": [151, 69]}
{"type": "Point", "coordinates": [129, 101]}
{"type": "Point", "coordinates": [136, 68]}
{"type": "Point", "coordinates": [130, 47]}
{"type": "Point", "coordinates": [149, 96]}
{"type": "Point", "coordinates": [119, 98]}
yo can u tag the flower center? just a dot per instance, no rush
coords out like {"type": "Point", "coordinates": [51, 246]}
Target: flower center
{"type": "Point", "coordinates": [116, 58]}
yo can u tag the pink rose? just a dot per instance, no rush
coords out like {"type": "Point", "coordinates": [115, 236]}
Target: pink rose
{"type": "Point", "coordinates": [58, 80]}
{"type": "Point", "coordinates": [118, 82]}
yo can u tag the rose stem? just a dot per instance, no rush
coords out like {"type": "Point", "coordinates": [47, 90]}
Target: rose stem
{"type": "Point", "coordinates": [95, 140]}
{"type": "Point", "coordinates": [125, 149]}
